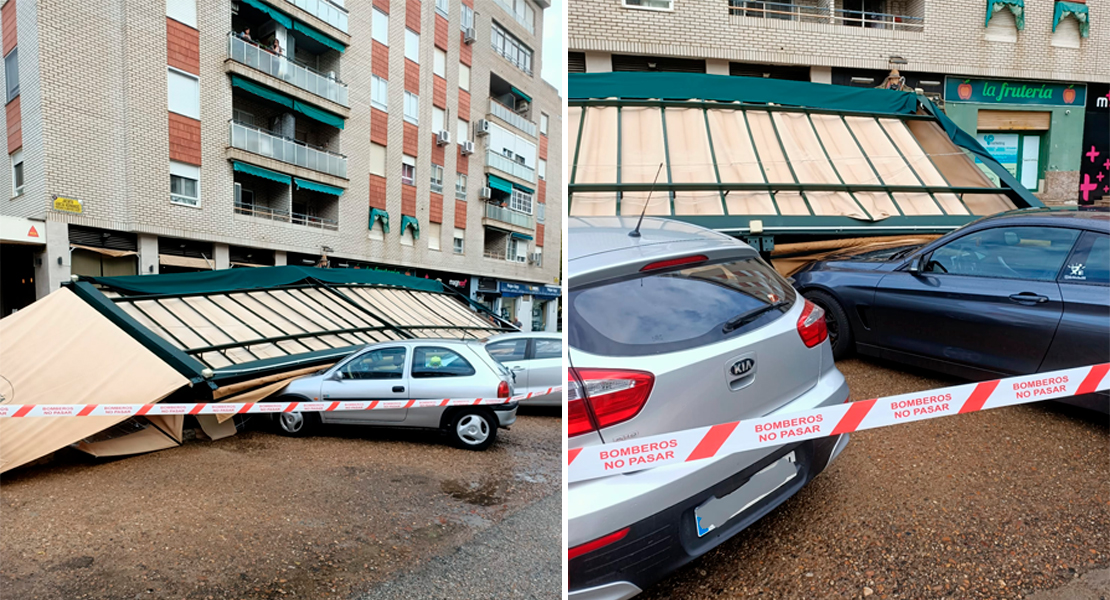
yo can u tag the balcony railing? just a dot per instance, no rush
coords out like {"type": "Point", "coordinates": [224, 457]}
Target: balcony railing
{"type": "Point", "coordinates": [507, 6]}
{"type": "Point", "coordinates": [786, 11]}
{"type": "Point", "coordinates": [284, 216]}
{"type": "Point", "coordinates": [286, 69]}
{"type": "Point", "coordinates": [512, 217]}
{"type": "Point", "coordinates": [332, 12]}
{"type": "Point", "coordinates": [313, 221]}
{"type": "Point", "coordinates": [506, 114]}
{"type": "Point", "coordinates": [507, 165]}
{"type": "Point", "coordinates": [261, 142]}
{"type": "Point", "coordinates": [503, 256]}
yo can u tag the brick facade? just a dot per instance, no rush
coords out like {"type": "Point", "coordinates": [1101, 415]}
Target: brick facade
{"type": "Point", "coordinates": [377, 192]}
{"type": "Point", "coordinates": [184, 139]}
{"type": "Point", "coordinates": [15, 125]}
{"type": "Point", "coordinates": [182, 47]}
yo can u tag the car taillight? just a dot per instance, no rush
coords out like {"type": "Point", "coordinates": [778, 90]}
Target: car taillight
{"type": "Point", "coordinates": [503, 389]}
{"type": "Point", "coordinates": [674, 262]}
{"type": "Point", "coordinates": [615, 395]}
{"type": "Point", "coordinates": [811, 325]}
{"type": "Point", "coordinates": [600, 542]}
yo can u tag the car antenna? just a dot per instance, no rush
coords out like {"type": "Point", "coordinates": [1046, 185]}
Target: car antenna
{"type": "Point", "coordinates": [635, 233]}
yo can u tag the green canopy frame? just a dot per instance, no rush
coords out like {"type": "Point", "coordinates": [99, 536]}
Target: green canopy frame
{"type": "Point", "coordinates": [250, 169]}
{"type": "Point", "coordinates": [304, 184]}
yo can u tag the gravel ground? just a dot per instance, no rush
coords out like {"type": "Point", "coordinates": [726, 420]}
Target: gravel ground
{"type": "Point", "coordinates": [260, 516]}
{"type": "Point", "coordinates": [999, 504]}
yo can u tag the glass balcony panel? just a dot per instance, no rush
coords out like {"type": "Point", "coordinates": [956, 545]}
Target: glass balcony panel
{"type": "Point", "coordinates": [296, 74]}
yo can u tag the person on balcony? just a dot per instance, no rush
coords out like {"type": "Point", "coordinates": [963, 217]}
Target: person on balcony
{"type": "Point", "coordinates": [245, 35]}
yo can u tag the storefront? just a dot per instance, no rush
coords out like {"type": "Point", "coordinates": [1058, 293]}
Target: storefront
{"type": "Point", "coordinates": [22, 242]}
{"type": "Point", "coordinates": [1030, 127]}
{"type": "Point", "coordinates": [536, 307]}
{"type": "Point", "coordinates": [1094, 172]}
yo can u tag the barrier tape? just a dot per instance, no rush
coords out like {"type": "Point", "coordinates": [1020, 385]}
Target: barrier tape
{"type": "Point", "coordinates": [703, 443]}
{"type": "Point", "coordinates": [221, 408]}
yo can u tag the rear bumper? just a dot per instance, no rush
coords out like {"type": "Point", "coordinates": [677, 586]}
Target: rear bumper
{"type": "Point", "coordinates": [506, 413]}
{"type": "Point", "coordinates": [665, 541]}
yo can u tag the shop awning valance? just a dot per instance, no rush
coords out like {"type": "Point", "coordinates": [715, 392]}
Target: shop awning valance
{"type": "Point", "coordinates": [379, 214]}
{"type": "Point", "coordinates": [319, 37]}
{"type": "Point", "coordinates": [520, 93]}
{"type": "Point", "coordinates": [1063, 9]}
{"type": "Point", "coordinates": [322, 116]}
{"type": "Point", "coordinates": [261, 91]}
{"type": "Point", "coordinates": [526, 190]}
{"type": "Point", "coordinates": [304, 184]}
{"type": "Point", "coordinates": [520, 236]}
{"type": "Point", "coordinates": [497, 183]}
{"type": "Point", "coordinates": [273, 13]}
{"type": "Point", "coordinates": [407, 221]}
{"type": "Point", "coordinates": [250, 169]}
{"type": "Point", "coordinates": [1016, 6]}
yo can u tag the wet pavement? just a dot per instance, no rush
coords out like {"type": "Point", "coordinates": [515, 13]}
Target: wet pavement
{"type": "Point", "coordinates": [260, 516]}
{"type": "Point", "coordinates": [1006, 503]}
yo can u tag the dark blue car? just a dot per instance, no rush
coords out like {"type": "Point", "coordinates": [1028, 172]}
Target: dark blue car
{"type": "Point", "coordinates": [1011, 294]}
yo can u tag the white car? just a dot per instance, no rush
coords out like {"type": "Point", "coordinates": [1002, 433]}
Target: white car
{"type": "Point", "coordinates": [536, 360]}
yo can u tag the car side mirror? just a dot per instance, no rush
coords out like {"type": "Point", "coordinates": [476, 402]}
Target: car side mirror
{"type": "Point", "coordinates": [917, 265]}
{"type": "Point", "coordinates": [338, 376]}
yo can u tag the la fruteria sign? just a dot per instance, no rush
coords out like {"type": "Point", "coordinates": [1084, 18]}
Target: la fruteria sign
{"type": "Point", "coordinates": [1000, 91]}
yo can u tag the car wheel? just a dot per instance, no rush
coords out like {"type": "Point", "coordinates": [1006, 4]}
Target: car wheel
{"type": "Point", "coordinates": [840, 329]}
{"type": "Point", "coordinates": [473, 429]}
{"type": "Point", "coordinates": [296, 424]}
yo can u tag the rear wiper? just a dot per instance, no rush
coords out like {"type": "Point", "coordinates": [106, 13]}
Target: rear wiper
{"type": "Point", "coordinates": [745, 318]}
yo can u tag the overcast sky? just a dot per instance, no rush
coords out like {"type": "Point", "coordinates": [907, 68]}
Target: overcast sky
{"type": "Point", "coordinates": [553, 55]}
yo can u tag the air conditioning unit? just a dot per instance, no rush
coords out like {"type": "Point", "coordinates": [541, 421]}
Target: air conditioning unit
{"type": "Point", "coordinates": [443, 138]}
{"type": "Point", "coordinates": [486, 194]}
{"type": "Point", "coordinates": [536, 258]}
{"type": "Point", "coordinates": [469, 36]}
{"type": "Point", "coordinates": [522, 107]}
{"type": "Point", "coordinates": [482, 127]}
{"type": "Point", "coordinates": [467, 147]}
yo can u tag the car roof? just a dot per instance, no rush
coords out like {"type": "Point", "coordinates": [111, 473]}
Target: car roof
{"type": "Point", "coordinates": [1093, 218]}
{"type": "Point", "coordinates": [522, 334]}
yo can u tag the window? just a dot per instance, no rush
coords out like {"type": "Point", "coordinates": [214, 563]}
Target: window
{"type": "Point", "coordinates": [439, 66]}
{"type": "Point", "coordinates": [182, 11]}
{"type": "Point", "coordinates": [438, 117]}
{"type": "Point", "coordinates": [509, 350]}
{"type": "Point", "coordinates": [408, 170]}
{"type": "Point", "coordinates": [434, 231]}
{"type": "Point", "coordinates": [649, 4]}
{"type": "Point", "coordinates": [379, 93]}
{"type": "Point", "coordinates": [1090, 263]}
{"type": "Point", "coordinates": [467, 17]}
{"type": "Point", "coordinates": [459, 240]}
{"type": "Point", "coordinates": [430, 361]}
{"type": "Point", "coordinates": [1007, 252]}
{"type": "Point", "coordinates": [512, 49]}
{"type": "Point", "coordinates": [412, 108]}
{"type": "Point", "coordinates": [460, 186]}
{"type": "Point", "coordinates": [437, 179]}
{"type": "Point", "coordinates": [539, 258]}
{"type": "Point", "coordinates": [380, 26]}
{"type": "Point", "coordinates": [543, 123]}
{"type": "Point", "coordinates": [242, 116]}
{"type": "Point", "coordinates": [462, 131]}
{"type": "Point", "coordinates": [541, 170]}
{"type": "Point", "coordinates": [464, 77]}
{"type": "Point", "coordinates": [541, 212]}
{"type": "Point", "coordinates": [11, 73]}
{"type": "Point", "coordinates": [184, 94]}
{"type": "Point", "coordinates": [517, 250]}
{"type": "Point", "coordinates": [386, 363]}
{"type": "Point", "coordinates": [521, 201]}
{"type": "Point", "coordinates": [377, 159]}
{"type": "Point", "coordinates": [441, 7]}
{"type": "Point", "coordinates": [549, 348]}
{"type": "Point", "coordinates": [184, 184]}
{"type": "Point", "coordinates": [412, 46]}
{"type": "Point", "coordinates": [17, 172]}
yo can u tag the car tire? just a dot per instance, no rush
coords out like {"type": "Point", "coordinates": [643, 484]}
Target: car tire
{"type": "Point", "coordinates": [296, 424]}
{"type": "Point", "coordinates": [472, 429]}
{"type": "Point", "coordinates": [836, 319]}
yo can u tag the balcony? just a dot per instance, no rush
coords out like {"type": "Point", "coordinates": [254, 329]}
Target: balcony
{"type": "Point", "coordinates": [785, 11]}
{"type": "Point", "coordinates": [510, 167]}
{"type": "Point", "coordinates": [507, 115]}
{"type": "Point", "coordinates": [263, 143]}
{"type": "Point", "coordinates": [285, 216]}
{"type": "Point", "coordinates": [332, 12]}
{"type": "Point", "coordinates": [526, 20]}
{"type": "Point", "coordinates": [511, 217]}
{"type": "Point", "coordinates": [287, 70]}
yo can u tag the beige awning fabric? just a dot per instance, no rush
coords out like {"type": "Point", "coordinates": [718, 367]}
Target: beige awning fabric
{"type": "Point", "coordinates": [60, 350]}
{"type": "Point", "coordinates": [171, 260]}
{"type": "Point", "coordinates": [161, 432]}
{"type": "Point", "coordinates": [246, 264]}
{"type": "Point", "coordinates": [105, 251]}
{"type": "Point", "coordinates": [789, 258]}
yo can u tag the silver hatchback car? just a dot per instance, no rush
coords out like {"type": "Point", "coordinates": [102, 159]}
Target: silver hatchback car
{"type": "Point", "coordinates": [410, 370]}
{"type": "Point", "coordinates": [682, 327]}
{"type": "Point", "coordinates": [536, 360]}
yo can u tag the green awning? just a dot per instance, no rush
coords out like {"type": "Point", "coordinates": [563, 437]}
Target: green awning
{"type": "Point", "coordinates": [1063, 9]}
{"type": "Point", "coordinates": [377, 213]}
{"type": "Point", "coordinates": [521, 94]}
{"type": "Point", "coordinates": [261, 91]}
{"type": "Point", "coordinates": [274, 13]}
{"type": "Point", "coordinates": [319, 37]}
{"type": "Point", "coordinates": [322, 116]}
{"type": "Point", "coordinates": [1016, 6]}
{"type": "Point", "coordinates": [526, 190]}
{"type": "Point", "coordinates": [407, 221]}
{"type": "Point", "coordinates": [303, 184]}
{"type": "Point", "coordinates": [520, 236]}
{"type": "Point", "coordinates": [497, 183]}
{"type": "Point", "coordinates": [249, 169]}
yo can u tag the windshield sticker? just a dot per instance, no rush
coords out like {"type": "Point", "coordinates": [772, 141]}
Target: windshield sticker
{"type": "Point", "coordinates": [1076, 272]}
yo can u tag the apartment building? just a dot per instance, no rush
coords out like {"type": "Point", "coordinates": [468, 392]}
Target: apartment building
{"type": "Point", "coordinates": [183, 135]}
{"type": "Point", "coordinates": [1026, 77]}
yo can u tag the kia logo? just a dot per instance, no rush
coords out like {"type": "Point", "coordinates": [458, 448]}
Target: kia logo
{"type": "Point", "coordinates": [742, 367]}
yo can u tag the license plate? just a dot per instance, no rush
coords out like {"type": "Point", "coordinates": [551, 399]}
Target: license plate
{"type": "Point", "coordinates": [717, 511]}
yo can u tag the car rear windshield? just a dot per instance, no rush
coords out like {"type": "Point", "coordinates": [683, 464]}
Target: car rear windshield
{"type": "Point", "coordinates": [674, 310]}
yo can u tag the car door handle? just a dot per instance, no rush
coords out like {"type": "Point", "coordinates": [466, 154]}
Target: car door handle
{"type": "Point", "coordinates": [398, 388]}
{"type": "Point", "coordinates": [1028, 298]}
{"type": "Point", "coordinates": [518, 368]}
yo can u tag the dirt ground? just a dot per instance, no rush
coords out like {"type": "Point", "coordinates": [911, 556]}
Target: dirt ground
{"type": "Point", "coordinates": [1004, 503]}
{"type": "Point", "coordinates": [260, 516]}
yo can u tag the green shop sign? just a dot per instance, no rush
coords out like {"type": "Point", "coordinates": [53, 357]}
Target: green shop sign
{"type": "Point", "coordinates": [996, 91]}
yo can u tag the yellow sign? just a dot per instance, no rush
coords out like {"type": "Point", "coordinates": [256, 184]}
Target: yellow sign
{"type": "Point", "coordinates": [72, 205]}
